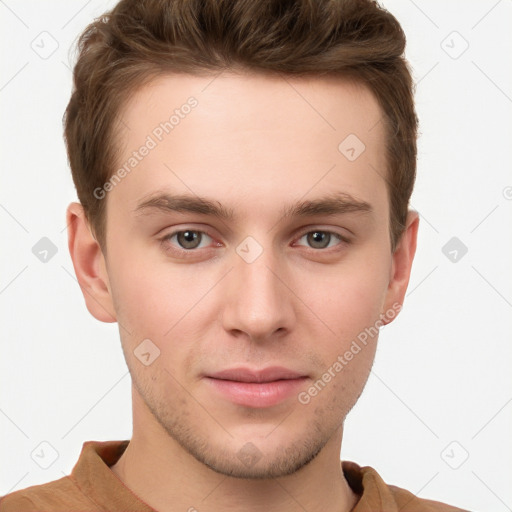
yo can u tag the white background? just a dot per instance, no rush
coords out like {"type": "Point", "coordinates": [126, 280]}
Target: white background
{"type": "Point", "coordinates": [440, 390]}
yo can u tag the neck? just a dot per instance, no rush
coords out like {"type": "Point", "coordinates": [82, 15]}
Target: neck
{"type": "Point", "coordinates": [168, 478]}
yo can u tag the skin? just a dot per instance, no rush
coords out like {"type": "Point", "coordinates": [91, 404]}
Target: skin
{"type": "Point", "coordinates": [253, 143]}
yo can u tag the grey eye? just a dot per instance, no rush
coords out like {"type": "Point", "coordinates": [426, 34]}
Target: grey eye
{"type": "Point", "coordinates": [189, 239]}
{"type": "Point", "coordinates": [319, 239]}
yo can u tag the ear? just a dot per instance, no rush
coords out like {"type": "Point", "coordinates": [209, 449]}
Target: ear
{"type": "Point", "coordinates": [401, 265]}
{"type": "Point", "coordinates": [89, 264]}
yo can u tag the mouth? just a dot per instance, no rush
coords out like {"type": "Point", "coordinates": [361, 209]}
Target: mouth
{"type": "Point", "coordinates": [256, 388]}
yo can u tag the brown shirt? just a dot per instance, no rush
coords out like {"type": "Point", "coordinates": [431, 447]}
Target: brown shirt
{"type": "Point", "coordinates": [93, 487]}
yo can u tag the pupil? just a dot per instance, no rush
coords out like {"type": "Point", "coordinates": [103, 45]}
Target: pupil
{"type": "Point", "coordinates": [319, 239]}
{"type": "Point", "coordinates": [188, 239]}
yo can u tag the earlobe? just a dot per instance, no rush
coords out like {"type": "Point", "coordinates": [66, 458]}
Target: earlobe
{"type": "Point", "coordinates": [401, 265]}
{"type": "Point", "coordinates": [89, 265]}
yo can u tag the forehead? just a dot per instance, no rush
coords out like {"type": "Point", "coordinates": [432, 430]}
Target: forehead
{"type": "Point", "coordinates": [239, 137]}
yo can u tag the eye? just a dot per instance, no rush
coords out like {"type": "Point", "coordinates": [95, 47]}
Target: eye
{"type": "Point", "coordinates": [319, 239]}
{"type": "Point", "coordinates": [188, 239]}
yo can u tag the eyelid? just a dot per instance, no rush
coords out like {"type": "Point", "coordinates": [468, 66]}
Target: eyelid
{"type": "Point", "coordinates": [311, 229]}
{"type": "Point", "coordinates": [343, 240]}
{"type": "Point", "coordinates": [166, 239]}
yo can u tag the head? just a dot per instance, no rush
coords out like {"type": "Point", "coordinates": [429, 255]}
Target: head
{"type": "Point", "coordinates": [244, 171]}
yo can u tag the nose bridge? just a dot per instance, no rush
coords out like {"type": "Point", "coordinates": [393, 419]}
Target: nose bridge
{"type": "Point", "coordinates": [258, 303]}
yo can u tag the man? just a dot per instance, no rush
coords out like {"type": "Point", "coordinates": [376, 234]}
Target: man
{"type": "Point", "coordinates": [244, 170]}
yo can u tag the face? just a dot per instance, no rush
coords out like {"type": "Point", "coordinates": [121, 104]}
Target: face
{"type": "Point", "coordinates": [246, 238]}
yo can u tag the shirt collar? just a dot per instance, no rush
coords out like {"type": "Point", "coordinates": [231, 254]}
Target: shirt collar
{"type": "Point", "coordinates": [93, 476]}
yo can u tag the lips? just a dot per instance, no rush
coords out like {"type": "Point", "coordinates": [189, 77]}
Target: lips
{"type": "Point", "coordinates": [256, 388]}
{"type": "Point", "coordinates": [270, 374]}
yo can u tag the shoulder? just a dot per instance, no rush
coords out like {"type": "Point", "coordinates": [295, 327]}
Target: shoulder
{"type": "Point", "coordinates": [407, 502]}
{"type": "Point", "coordinates": [56, 496]}
{"type": "Point", "coordinates": [375, 494]}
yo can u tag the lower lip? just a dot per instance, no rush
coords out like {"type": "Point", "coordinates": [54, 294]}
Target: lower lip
{"type": "Point", "coordinates": [257, 394]}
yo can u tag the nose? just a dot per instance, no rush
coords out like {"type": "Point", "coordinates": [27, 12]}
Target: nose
{"type": "Point", "coordinates": [258, 303]}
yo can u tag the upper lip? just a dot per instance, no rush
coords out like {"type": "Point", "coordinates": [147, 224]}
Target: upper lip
{"type": "Point", "coordinates": [263, 375]}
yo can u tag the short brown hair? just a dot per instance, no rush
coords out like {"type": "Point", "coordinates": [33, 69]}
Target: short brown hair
{"type": "Point", "coordinates": [141, 39]}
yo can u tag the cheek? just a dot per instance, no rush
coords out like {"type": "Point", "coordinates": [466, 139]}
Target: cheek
{"type": "Point", "coordinates": [149, 292]}
{"type": "Point", "coordinates": [161, 302]}
{"type": "Point", "coordinates": [352, 310]}
{"type": "Point", "coordinates": [350, 297]}
{"type": "Point", "coordinates": [142, 301]}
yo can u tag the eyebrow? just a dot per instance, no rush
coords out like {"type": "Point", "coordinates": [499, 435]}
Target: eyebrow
{"type": "Point", "coordinates": [184, 203]}
{"type": "Point", "coordinates": [332, 204]}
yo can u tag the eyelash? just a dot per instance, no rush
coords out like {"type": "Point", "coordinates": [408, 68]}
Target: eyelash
{"type": "Point", "coordinates": [192, 252]}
